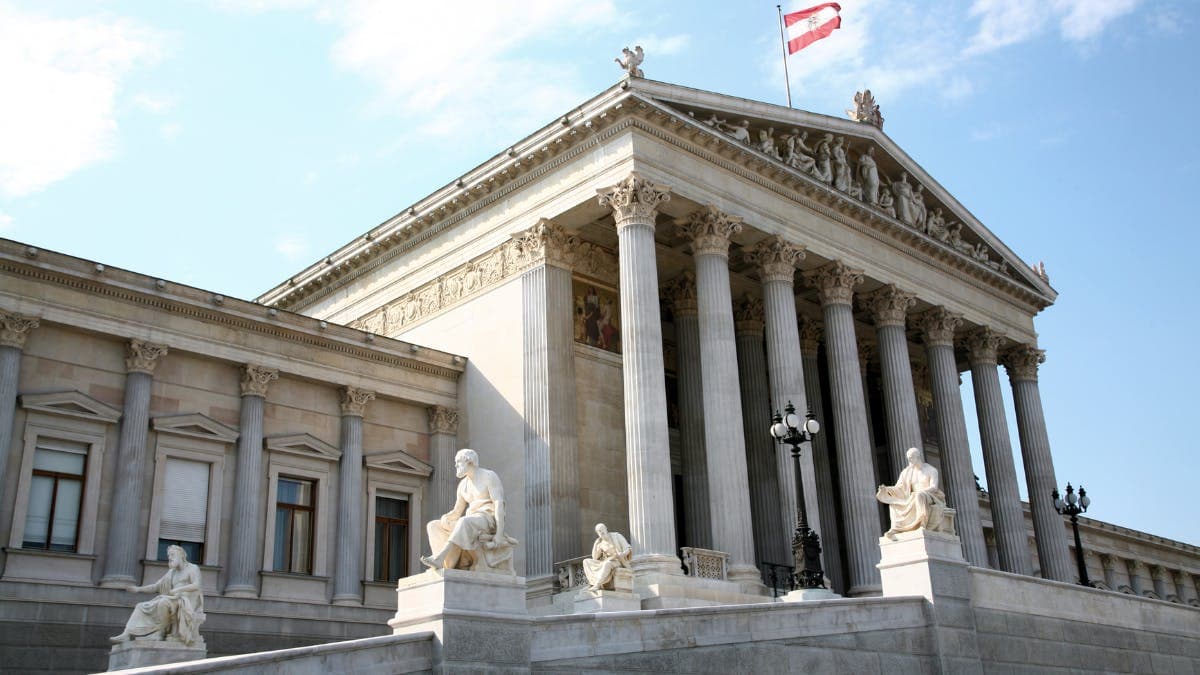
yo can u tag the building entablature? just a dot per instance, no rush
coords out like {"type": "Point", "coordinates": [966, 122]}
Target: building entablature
{"type": "Point", "coordinates": [80, 293]}
{"type": "Point", "coordinates": [978, 258]}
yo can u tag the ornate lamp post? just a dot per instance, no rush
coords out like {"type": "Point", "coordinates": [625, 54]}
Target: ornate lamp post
{"type": "Point", "coordinates": [806, 545]}
{"type": "Point", "coordinates": [1073, 506]}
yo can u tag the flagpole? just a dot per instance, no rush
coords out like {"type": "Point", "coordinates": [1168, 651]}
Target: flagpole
{"type": "Point", "coordinates": [787, 83]}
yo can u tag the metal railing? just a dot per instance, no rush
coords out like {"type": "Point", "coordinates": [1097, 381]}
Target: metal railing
{"type": "Point", "coordinates": [777, 577]}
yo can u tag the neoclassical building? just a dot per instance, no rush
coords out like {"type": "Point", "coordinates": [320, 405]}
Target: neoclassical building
{"type": "Point", "coordinates": [609, 311]}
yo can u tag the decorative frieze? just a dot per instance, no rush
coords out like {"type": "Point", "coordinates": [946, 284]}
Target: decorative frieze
{"type": "Point", "coordinates": [835, 283]}
{"type": "Point", "coordinates": [982, 345]}
{"type": "Point", "coordinates": [811, 333]}
{"type": "Point", "coordinates": [889, 305]}
{"type": "Point", "coordinates": [1022, 362]}
{"type": "Point", "coordinates": [14, 328]}
{"type": "Point", "coordinates": [748, 315]}
{"type": "Point", "coordinates": [355, 400]}
{"type": "Point", "coordinates": [776, 259]}
{"type": "Point", "coordinates": [143, 356]}
{"type": "Point", "coordinates": [938, 326]}
{"type": "Point", "coordinates": [709, 230]}
{"type": "Point", "coordinates": [634, 200]}
{"type": "Point", "coordinates": [442, 420]}
{"type": "Point", "coordinates": [681, 291]}
{"type": "Point", "coordinates": [256, 379]}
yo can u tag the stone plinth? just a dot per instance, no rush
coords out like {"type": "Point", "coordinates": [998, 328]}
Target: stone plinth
{"type": "Point", "coordinates": [672, 591]}
{"type": "Point", "coordinates": [588, 601]}
{"type": "Point", "coordinates": [809, 594]}
{"type": "Point", "coordinates": [140, 653]}
{"type": "Point", "coordinates": [911, 562]}
{"type": "Point", "coordinates": [478, 619]}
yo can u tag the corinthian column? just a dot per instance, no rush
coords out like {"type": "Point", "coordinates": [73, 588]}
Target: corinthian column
{"type": "Point", "coordinates": [1022, 365]}
{"type": "Point", "coordinates": [245, 538]}
{"type": "Point", "coordinates": [125, 519]}
{"type": "Point", "coordinates": [835, 283]}
{"type": "Point", "coordinates": [1007, 518]}
{"type": "Point", "coordinates": [938, 326]}
{"type": "Point", "coordinates": [889, 306]}
{"type": "Point", "coordinates": [551, 450]}
{"type": "Point", "coordinates": [634, 202]}
{"type": "Point", "coordinates": [347, 580]}
{"type": "Point", "coordinates": [697, 522]}
{"type": "Point", "coordinates": [709, 231]}
{"type": "Point", "coordinates": [777, 260]}
{"type": "Point", "coordinates": [443, 443]}
{"type": "Point", "coordinates": [810, 339]}
{"type": "Point", "coordinates": [770, 532]}
{"type": "Point", "coordinates": [14, 328]}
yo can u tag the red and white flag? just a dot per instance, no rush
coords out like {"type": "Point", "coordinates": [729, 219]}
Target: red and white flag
{"type": "Point", "coordinates": [809, 25]}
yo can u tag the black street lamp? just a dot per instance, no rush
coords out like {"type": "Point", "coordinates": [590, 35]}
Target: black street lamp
{"type": "Point", "coordinates": [1074, 506]}
{"type": "Point", "coordinates": [806, 544]}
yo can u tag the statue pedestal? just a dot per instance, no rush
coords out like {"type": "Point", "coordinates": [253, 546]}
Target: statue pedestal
{"type": "Point", "coordinates": [921, 563]}
{"type": "Point", "coordinates": [588, 601]}
{"type": "Point", "coordinates": [139, 653]}
{"type": "Point", "coordinates": [808, 594]}
{"type": "Point", "coordinates": [479, 618]}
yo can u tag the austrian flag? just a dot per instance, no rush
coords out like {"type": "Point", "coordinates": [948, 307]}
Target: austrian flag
{"type": "Point", "coordinates": [809, 25]}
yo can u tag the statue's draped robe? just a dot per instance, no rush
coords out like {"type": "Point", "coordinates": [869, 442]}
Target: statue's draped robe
{"type": "Point", "coordinates": [174, 613]}
{"type": "Point", "coordinates": [915, 501]}
{"type": "Point", "coordinates": [607, 555]}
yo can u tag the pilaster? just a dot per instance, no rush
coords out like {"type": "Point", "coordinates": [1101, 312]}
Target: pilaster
{"type": "Point", "coordinates": [443, 443]}
{"type": "Point", "coordinates": [14, 329]}
{"type": "Point", "coordinates": [247, 522]}
{"type": "Point", "coordinates": [348, 570]}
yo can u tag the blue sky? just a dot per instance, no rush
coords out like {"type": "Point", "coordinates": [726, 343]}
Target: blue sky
{"type": "Point", "coordinates": [228, 144]}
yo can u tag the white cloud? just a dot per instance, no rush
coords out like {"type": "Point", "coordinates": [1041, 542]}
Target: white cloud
{"type": "Point", "coordinates": [6, 222]}
{"type": "Point", "coordinates": [1007, 22]}
{"type": "Point", "coordinates": [293, 247]}
{"type": "Point", "coordinates": [1085, 19]}
{"type": "Point", "coordinates": [60, 79]}
{"type": "Point", "coordinates": [154, 103]}
{"type": "Point", "coordinates": [654, 45]}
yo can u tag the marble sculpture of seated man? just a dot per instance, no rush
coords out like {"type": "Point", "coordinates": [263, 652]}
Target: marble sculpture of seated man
{"type": "Point", "coordinates": [471, 536]}
{"type": "Point", "coordinates": [176, 612]}
{"type": "Point", "coordinates": [916, 501]}
{"type": "Point", "coordinates": [610, 553]}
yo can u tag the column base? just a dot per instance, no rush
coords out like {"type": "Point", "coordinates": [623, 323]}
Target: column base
{"type": "Point", "coordinates": [347, 600]}
{"type": "Point", "coordinates": [539, 591]}
{"type": "Point", "coordinates": [657, 564]}
{"type": "Point", "coordinates": [748, 578]}
{"type": "Point", "coordinates": [118, 581]}
{"type": "Point", "coordinates": [663, 591]}
{"type": "Point", "coordinates": [241, 592]}
{"type": "Point", "coordinates": [140, 653]}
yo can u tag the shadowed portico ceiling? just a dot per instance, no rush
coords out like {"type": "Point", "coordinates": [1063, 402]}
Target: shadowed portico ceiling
{"type": "Point", "coordinates": [705, 124]}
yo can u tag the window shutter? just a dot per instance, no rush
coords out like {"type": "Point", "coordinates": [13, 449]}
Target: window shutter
{"type": "Point", "coordinates": [185, 500]}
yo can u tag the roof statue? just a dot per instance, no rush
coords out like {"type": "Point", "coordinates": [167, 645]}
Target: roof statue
{"type": "Point", "coordinates": [631, 60]}
{"type": "Point", "coordinates": [865, 109]}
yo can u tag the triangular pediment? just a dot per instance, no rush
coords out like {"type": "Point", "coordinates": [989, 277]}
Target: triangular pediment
{"type": "Point", "coordinates": [71, 404]}
{"type": "Point", "coordinates": [196, 425]}
{"type": "Point", "coordinates": [400, 462]}
{"type": "Point", "coordinates": [779, 141]}
{"type": "Point", "coordinates": [305, 445]}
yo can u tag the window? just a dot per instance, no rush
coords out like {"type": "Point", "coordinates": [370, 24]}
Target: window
{"type": "Point", "coordinates": [55, 495]}
{"type": "Point", "coordinates": [391, 538]}
{"type": "Point", "coordinates": [294, 511]}
{"type": "Point", "coordinates": [184, 508]}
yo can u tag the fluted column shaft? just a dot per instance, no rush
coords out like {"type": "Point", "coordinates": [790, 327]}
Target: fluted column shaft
{"type": "Point", "coordinates": [697, 525]}
{"type": "Point", "coordinates": [1007, 518]}
{"type": "Point", "coordinates": [348, 570]}
{"type": "Point", "coordinates": [552, 530]}
{"type": "Point", "coordinates": [724, 440]}
{"type": "Point", "coordinates": [770, 531]}
{"type": "Point", "coordinates": [889, 306]}
{"type": "Point", "coordinates": [958, 477]}
{"type": "Point", "coordinates": [1052, 547]}
{"type": "Point", "coordinates": [647, 446]}
{"type": "Point", "coordinates": [856, 472]}
{"type": "Point", "coordinates": [124, 521]}
{"type": "Point", "coordinates": [246, 525]}
{"type": "Point", "coordinates": [822, 466]}
{"type": "Point", "coordinates": [443, 443]}
{"type": "Point", "coordinates": [14, 329]}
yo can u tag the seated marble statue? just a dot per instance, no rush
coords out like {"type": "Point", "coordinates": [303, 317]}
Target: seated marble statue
{"type": "Point", "coordinates": [916, 501]}
{"type": "Point", "coordinates": [610, 553]}
{"type": "Point", "coordinates": [471, 536]}
{"type": "Point", "coordinates": [176, 613]}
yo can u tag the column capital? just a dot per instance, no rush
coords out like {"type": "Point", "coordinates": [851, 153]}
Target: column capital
{"type": "Point", "coordinates": [634, 200]}
{"type": "Point", "coordinates": [1022, 362]}
{"type": "Point", "coordinates": [547, 243]}
{"type": "Point", "coordinates": [889, 305]}
{"type": "Point", "coordinates": [442, 420]}
{"type": "Point", "coordinates": [938, 326]}
{"type": "Point", "coordinates": [681, 291]}
{"type": "Point", "coordinates": [709, 230]}
{"type": "Point", "coordinates": [14, 328]}
{"type": "Point", "coordinates": [811, 332]}
{"type": "Point", "coordinates": [982, 344]}
{"type": "Point", "coordinates": [143, 356]}
{"type": "Point", "coordinates": [776, 259]}
{"type": "Point", "coordinates": [256, 379]}
{"type": "Point", "coordinates": [835, 283]}
{"type": "Point", "coordinates": [355, 400]}
{"type": "Point", "coordinates": [748, 315]}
